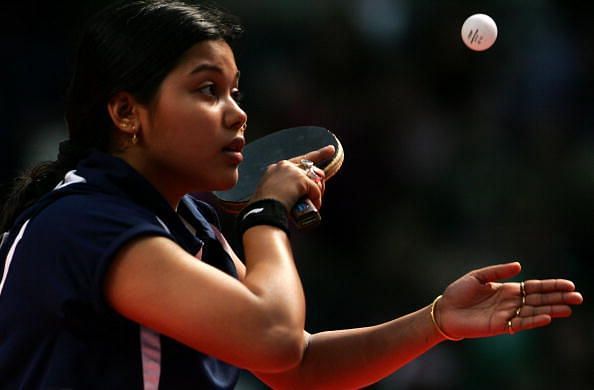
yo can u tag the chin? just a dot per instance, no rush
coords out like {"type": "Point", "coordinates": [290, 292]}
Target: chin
{"type": "Point", "coordinates": [226, 183]}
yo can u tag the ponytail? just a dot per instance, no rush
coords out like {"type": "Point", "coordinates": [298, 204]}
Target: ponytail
{"type": "Point", "coordinates": [37, 181]}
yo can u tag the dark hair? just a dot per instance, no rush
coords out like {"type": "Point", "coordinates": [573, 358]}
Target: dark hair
{"type": "Point", "coordinates": [129, 46]}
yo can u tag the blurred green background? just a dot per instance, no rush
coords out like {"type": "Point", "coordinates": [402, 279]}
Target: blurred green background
{"type": "Point", "coordinates": [454, 159]}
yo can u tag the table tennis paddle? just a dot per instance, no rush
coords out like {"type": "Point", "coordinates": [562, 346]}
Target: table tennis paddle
{"type": "Point", "coordinates": [281, 145]}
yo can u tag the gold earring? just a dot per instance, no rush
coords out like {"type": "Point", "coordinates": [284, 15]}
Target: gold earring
{"type": "Point", "coordinates": [134, 136]}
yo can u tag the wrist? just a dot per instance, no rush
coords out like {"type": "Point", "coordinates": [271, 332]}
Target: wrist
{"type": "Point", "coordinates": [436, 324]}
{"type": "Point", "coordinates": [269, 212]}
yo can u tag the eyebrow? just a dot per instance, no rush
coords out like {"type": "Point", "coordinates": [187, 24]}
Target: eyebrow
{"type": "Point", "coordinates": [210, 68]}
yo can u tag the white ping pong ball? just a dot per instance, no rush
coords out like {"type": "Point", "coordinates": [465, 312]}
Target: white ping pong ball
{"type": "Point", "coordinates": [479, 32]}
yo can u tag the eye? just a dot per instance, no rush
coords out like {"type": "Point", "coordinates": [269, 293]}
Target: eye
{"type": "Point", "coordinates": [237, 95]}
{"type": "Point", "coordinates": [208, 90]}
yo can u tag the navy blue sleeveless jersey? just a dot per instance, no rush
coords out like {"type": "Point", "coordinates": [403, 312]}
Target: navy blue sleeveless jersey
{"type": "Point", "coordinates": [56, 329]}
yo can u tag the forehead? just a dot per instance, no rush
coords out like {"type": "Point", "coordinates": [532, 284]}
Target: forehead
{"type": "Point", "coordinates": [216, 53]}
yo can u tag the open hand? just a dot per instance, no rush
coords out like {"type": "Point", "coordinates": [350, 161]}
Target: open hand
{"type": "Point", "coordinates": [477, 305]}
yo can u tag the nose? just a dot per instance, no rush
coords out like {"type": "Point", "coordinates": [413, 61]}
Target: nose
{"type": "Point", "coordinates": [235, 117]}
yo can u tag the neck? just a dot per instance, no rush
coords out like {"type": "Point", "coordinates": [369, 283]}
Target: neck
{"type": "Point", "coordinates": [159, 177]}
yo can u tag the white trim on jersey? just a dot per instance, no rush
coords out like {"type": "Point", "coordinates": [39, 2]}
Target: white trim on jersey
{"type": "Point", "coordinates": [70, 178]}
{"type": "Point", "coordinates": [4, 237]}
{"type": "Point", "coordinates": [150, 349]}
{"type": "Point", "coordinates": [163, 224]}
{"type": "Point", "coordinates": [11, 254]}
{"type": "Point", "coordinates": [192, 230]}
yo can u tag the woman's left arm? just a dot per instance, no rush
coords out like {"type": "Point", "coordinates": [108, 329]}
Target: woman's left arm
{"type": "Point", "coordinates": [473, 306]}
{"type": "Point", "coordinates": [355, 358]}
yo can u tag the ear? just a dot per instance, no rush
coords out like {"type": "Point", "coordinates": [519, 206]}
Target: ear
{"type": "Point", "coordinates": [123, 110]}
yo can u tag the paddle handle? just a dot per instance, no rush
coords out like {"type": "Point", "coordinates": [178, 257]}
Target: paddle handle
{"type": "Point", "coordinates": [305, 214]}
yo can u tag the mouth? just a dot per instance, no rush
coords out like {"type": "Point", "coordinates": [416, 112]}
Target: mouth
{"type": "Point", "coordinates": [234, 149]}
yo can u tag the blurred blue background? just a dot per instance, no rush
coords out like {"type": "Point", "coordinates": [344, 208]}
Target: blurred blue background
{"type": "Point", "coordinates": [454, 159]}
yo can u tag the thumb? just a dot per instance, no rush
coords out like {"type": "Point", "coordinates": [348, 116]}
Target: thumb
{"type": "Point", "coordinates": [497, 272]}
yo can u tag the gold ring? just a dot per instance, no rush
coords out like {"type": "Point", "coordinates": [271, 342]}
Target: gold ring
{"type": "Point", "coordinates": [510, 329]}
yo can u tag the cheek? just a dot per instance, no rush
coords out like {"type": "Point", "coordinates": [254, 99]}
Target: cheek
{"type": "Point", "coordinates": [188, 121]}
{"type": "Point", "coordinates": [168, 117]}
{"type": "Point", "coordinates": [170, 127]}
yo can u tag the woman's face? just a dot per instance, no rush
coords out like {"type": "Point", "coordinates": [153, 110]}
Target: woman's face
{"type": "Point", "coordinates": [192, 133]}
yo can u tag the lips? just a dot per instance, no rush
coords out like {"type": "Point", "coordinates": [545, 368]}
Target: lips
{"type": "Point", "coordinates": [234, 148]}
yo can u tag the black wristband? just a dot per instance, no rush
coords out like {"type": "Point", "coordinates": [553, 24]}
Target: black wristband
{"type": "Point", "coordinates": [263, 212]}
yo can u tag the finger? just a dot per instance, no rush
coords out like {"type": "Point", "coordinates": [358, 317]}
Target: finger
{"type": "Point", "coordinates": [555, 311]}
{"type": "Point", "coordinates": [319, 179]}
{"type": "Point", "coordinates": [497, 272]}
{"type": "Point", "coordinates": [315, 174]}
{"type": "Point", "coordinates": [525, 323]}
{"type": "Point", "coordinates": [320, 173]}
{"type": "Point", "coordinates": [315, 196]}
{"type": "Point", "coordinates": [548, 285]}
{"type": "Point", "coordinates": [315, 177]}
{"type": "Point", "coordinates": [314, 190]}
{"type": "Point", "coordinates": [316, 156]}
{"type": "Point", "coordinates": [554, 298]}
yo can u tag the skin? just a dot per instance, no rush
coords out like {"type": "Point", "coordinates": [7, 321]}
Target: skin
{"type": "Point", "coordinates": [257, 321]}
{"type": "Point", "coordinates": [183, 136]}
{"type": "Point", "coordinates": [183, 132]}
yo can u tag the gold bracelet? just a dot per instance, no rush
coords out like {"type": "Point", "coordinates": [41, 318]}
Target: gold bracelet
{"type": "Point", "coordinates": [441, 332]}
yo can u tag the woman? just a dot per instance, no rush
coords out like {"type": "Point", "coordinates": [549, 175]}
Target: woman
{"type": "Point", "coordinates": [112, 277]}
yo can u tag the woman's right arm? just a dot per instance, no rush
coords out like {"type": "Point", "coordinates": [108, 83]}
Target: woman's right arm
{"type": "Point", "coordinates": [256, 322]}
